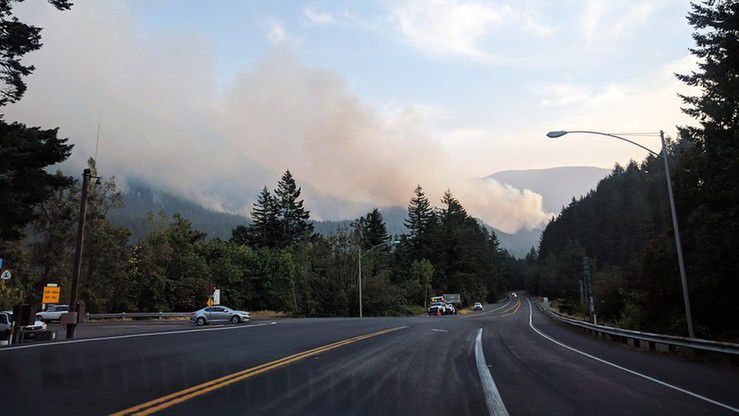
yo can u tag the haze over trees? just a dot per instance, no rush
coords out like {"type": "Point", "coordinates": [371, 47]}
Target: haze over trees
{"type": "Point", "coordinates": [625, 224]}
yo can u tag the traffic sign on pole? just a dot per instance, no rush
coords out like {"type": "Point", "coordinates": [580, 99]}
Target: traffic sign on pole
{"type": "Point", "coordinates": [5, 275]}
{"type": "Point", "coordinates": [51, 294]}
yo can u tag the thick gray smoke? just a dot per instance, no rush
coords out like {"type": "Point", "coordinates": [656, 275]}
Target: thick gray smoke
{"type": "Point", "coordinates": [165, 121]}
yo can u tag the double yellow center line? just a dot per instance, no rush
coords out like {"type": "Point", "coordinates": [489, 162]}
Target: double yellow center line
{"type": "Point", "coordinates": [514, 309]}
{"type": "Point", "coordinates": [169, 400]}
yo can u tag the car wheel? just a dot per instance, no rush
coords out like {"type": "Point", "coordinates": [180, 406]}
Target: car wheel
{"type": "Point", "coordinates": [200, 321]}
{"type": "Point", "coordinates": [235, 319]}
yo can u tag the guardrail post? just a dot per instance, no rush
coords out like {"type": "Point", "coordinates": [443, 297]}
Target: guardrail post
{"type": "Point", "coordinates": [636, 343]}
{"type": "Point", "coordinates": [671, 348]}
{"type": "Point", "coordinates": [652, 346]}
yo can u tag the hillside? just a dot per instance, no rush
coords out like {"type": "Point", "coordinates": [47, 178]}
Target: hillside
{"type": "Point", "coordinates": [557, 186]}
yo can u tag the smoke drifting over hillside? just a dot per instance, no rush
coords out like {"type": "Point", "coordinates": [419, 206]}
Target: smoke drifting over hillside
{"type": "Point", "coordinates": [164, 122]}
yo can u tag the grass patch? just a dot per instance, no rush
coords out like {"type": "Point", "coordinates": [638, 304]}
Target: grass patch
{"type": "Point", "coordinates": [267, 314]}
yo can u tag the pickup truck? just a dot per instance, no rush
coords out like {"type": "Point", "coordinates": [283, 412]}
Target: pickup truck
{"type": "Point", "coordinates": [52, 313]}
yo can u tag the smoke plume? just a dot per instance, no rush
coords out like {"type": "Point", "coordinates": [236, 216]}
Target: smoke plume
{"type": "Point", "coordinates": [168, 120]}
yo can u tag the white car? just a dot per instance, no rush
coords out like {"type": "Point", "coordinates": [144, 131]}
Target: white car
{"type": "Point", "coordinates": [52, 313]}
{"type": "Point", "coordinates": [6, 321]}
{"type": "Point", "coordinates": [478, 306]}
{"type": "Point", "coordinates": [36, 326]}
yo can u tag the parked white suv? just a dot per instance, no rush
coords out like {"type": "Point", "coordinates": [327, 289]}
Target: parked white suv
{"type": "Point", "coordinates": [52, 313]}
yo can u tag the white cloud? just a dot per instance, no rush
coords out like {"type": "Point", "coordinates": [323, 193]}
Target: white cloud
{"type": "Point", "coordinates": [605, 21]}
{"type": "Point", "coordinates": [276, 32]}
{"type": "Point", "coordinates": [557, 95]}
{"type": "Point", "coordinates": [318, 17]}
{"type": "Point", "coordinates": [443, 27]}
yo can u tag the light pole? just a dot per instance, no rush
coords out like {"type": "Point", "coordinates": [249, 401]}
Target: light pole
{"type": "Point", "coordinates": [678, 243]}
{"type": "Point", "coordinates": [359, 247]}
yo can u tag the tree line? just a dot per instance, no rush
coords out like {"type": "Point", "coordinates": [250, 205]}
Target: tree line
{"type": "Point", "coordinates": [274, 263]}
{"type": "Point", "coordinates": [625, 226]}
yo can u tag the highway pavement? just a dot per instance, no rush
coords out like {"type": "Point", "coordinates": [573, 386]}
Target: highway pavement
{"type": "Point", "coordinates": [508, 359]}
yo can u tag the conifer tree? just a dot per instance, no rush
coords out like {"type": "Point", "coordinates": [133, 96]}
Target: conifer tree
{"type": "Point", "coordinates": [265, 227]}
{"type": "Point", "coordinates": [293, 217]}
{"type": "Point", "coordinates": [420, 214]}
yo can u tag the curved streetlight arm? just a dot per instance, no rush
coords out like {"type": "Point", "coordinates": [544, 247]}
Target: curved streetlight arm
{"type": "Point", "coordinates": [359, 266]}
{"type": "Point", "coordinates": [387, 243]}
{"type": "Point", "coordinates": [673, 210]}
{"type": "Point", "coordinates": [615, 137]}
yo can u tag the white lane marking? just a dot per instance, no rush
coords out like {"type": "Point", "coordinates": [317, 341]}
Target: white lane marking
{"type": "Point", "coordinates": [492, 396]}
{"type": "Point", "coordinates": [636, 373]}
{"type": "Point", "coordinates": [145, 334]}
{"type": "Point", "coordinates": [439, 330]}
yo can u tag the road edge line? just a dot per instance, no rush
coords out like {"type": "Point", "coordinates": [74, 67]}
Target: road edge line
{"type": "Point", "coordinates": [141, 334]}
{"type": "Point", "coordinates": [494, 402]}
{"type": "Point", "coordinates": [636, 373]}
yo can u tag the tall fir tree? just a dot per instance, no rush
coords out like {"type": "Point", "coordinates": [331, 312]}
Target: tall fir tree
{"type": "Point", "coordinates": [374, 230]}
{"type": "Point", "coordinates": [264, 230]}
{"type": "Point", "coordinates": [293, 217]}
{"type": "Point", "coordinates": [420, 213]}
{"type": "Point", "coordinates": [25, 152]}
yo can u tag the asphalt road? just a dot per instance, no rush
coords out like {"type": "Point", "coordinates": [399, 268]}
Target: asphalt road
{"type": "Point", "coordinates": [526, 364]}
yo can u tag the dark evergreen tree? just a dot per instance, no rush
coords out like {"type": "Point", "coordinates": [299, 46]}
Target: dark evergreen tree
{"type": "Point", "coordinates": [292, 215]}
{"type": "Point", "coordinates": [420, 214]}
{"type": "Point", "coordinates": [265, 229]}
{"type": "Point", "coordinates": [25, 152]}
{"type": "Point", "coordinates": [24, 182]}
{"type": "Point", "coordinates": [16, 40]}
{"type": "Point", "coordinates": [374, 230]}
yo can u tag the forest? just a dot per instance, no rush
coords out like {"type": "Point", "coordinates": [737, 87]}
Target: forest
{"type": "Point", "coordinates": [277, 262]}
{"type": "Point", "coordinates": [624, 225]}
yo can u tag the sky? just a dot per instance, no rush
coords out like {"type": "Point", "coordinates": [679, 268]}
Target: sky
{"type": "Point", "coordinates": [360, 100]}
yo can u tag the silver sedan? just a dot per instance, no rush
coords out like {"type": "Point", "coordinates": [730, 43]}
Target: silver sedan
{"type": "Point", "coordinates": [218, 314]}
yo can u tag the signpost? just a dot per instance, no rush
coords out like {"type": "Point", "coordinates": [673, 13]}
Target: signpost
{"type": "Point", "coordinates": [588, 286]}
{"type": "Point", "coordinates": [453, 298]}
{"type": "Point", "coordinates": [51, 294]}
{"type": "Point", "coordinates": [217, 297]}
{"type": "Point", "coordinates": [5, 275]}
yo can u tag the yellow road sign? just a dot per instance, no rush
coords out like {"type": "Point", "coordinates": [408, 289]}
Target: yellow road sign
{"type": "Point", "coordinates": [51, 294]}
{"type": "Point", "coordinates": [210, 301]}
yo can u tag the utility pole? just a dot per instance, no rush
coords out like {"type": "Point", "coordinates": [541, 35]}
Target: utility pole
{"type": "Point", "coordinates": [360, 279]}
{"type": "Point", "coordinates": [678, 243]}
{"type": "Point", "coordinates": [588, 283]}
{"type": "Point", "coordinates": [73, 308]}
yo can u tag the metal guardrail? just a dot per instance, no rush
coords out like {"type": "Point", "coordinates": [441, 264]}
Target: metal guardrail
{"type": "Point", "coordinates": [137, 315]}
{"type": "Point", "coordinates": [650, 338]}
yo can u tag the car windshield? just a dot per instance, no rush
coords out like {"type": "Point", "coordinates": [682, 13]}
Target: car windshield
{"type": "Point", "coordinates": [393, 207]}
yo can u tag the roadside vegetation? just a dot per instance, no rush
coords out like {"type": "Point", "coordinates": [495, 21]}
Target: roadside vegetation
{"type": "Point", "coordinates": [625, 226]}
{"type": "Point", "coordinates": [274, 263]}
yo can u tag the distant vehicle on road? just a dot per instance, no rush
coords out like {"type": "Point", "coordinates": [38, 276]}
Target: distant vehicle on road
{"type": "Point", "coordinates": [450, 309]}
{"type": "Point", "coordinates": [52, 313]}
{"type": "Point", "coordinates": [437, 308]}
{"type": "Point", "coordinates": [478, 306]}
{"type": "Point", "coordinates": [218, 314]}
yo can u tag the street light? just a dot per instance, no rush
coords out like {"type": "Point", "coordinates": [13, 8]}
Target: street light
{"type": "Point", "coordinates": [359, 246]}
{"type": "Point", "coordinates": [678, 245]}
